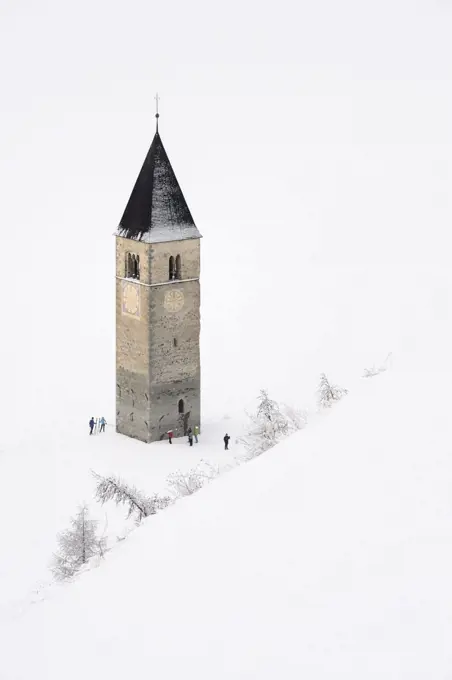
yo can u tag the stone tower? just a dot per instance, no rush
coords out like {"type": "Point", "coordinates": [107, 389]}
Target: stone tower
{"type": "Point", "coordinates": [157, 306]}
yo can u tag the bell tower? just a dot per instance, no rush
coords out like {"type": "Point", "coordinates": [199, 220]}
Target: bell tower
{"type": "Point", "coordinates": [157, 306]}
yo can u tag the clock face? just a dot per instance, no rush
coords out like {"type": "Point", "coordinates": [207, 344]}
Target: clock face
{"type": "Point", "coordinates": [131, 300]}
{"type": "Point", "coordinates": [174, 300]}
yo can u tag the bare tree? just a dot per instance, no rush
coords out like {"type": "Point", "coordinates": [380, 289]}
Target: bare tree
{"type": "Point", "coordinates": [269, 425]}
{"type": "Point", "coordinates": [327, 393]}
{"type": "Point", "coordinates": [186, 483]}
{"type": "Point", "coordinates": [77, 545]}
{"type": "Point", "coordinates": [138, 504]}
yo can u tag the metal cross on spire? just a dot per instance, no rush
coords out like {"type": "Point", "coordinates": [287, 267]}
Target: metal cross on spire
{"type": "Point", "coordinates": [157, 115]}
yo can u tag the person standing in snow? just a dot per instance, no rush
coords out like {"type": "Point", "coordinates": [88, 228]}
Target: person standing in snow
{"type": "Point", "coordinates": [91, 425]}
{"type": "Point", "coordinates": [226, 439]}
{"type": "Point", "coordinates": [196, 432]}
{"type": "Point", "coordinates": [190, 437]}
{"type": "Point", "coordinates": [170, 436]}
{"type": "Point", "coordinates": [102, 422]}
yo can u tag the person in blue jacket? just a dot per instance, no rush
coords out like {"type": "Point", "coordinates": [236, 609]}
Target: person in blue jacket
{"type": "Point", "coordinates": [102, 422]}
{"type": "Point", "coordinates": [91, 425]}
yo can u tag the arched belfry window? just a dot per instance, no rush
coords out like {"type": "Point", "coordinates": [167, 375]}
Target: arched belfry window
{"type": "Point", "coordinates": [178, 267]}
{"type": "Point", "coordinates": [172, 271]}
{"type": "Point", "coordinates": [132, 266]}
{"type": "Point", "coordinates": [181, 406]}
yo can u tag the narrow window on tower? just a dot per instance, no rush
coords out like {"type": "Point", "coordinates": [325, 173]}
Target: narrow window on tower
{"type": "Point", "coordinates": [178, 267]}
{"type": "Point", "coordinates": [129, 265]}
{"type": "Point", "coordinates": [137, 268]}
{"type": "Point", "coordinates": [171, 268]}
{"type": "Point", "coordinates": [181, 406]}
{"type": "Point", "coordinates": [174, 342]}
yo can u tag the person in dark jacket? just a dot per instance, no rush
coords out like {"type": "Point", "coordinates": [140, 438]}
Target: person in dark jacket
{"type": "Point", "coordinates": [226, 439]}
{"type": "Point", "coordinates": [190, 438]}
{"type": "Point", "coordinates": [91, 425]}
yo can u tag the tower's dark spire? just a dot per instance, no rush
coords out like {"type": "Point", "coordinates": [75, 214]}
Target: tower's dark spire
{"type": "Point", "coordinates": [157, 115]}
{"type": "Point", "coordinates": [157, 210]}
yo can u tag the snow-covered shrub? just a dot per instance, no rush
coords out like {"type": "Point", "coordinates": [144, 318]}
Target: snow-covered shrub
{"type": "Point", "coordinates": [186, 483]}
{"type": "Point", "coordinates": [269, 425]}
{"type": "Point", "coordinates": [371, 372]}
{"type": "Point", "coordinates": [269, 412]}
{"type": "Point", "coordinates": [138, 504]}
{"type": "Point", "coordinates": [77, 545]}
{"type": "Point", "coordinates": [327, 393]}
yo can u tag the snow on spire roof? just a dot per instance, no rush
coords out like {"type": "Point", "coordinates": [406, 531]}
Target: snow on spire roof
{"type": "Point", "coordinates": [157, 210]}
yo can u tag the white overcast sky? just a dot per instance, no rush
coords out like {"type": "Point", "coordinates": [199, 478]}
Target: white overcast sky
{"type": "Point", "coordinates": [304, 133]}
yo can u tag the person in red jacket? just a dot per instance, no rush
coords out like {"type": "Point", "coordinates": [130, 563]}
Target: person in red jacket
{"type": "Point", "coordinates": [170, 436]}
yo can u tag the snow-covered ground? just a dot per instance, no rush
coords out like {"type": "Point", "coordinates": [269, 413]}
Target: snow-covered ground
{"type": "Point", "coordinates": [328, 556]}
{"type": "Point", "coordinates": [52, 476]}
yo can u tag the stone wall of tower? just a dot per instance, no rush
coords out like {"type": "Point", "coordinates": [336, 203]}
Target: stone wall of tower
{"type": "Point", "coordinates": [157, 358]}
{"type": "Point", "coordinates": [132, 347]}
{"type": "Point", "coordinates": [174, 342]}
